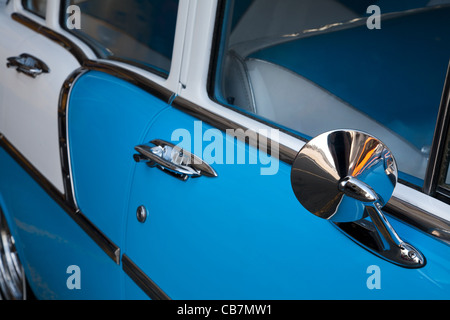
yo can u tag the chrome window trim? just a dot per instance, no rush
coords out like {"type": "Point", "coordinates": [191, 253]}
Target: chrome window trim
{"type": "Point", "coordinates": [149, 86]}
{"type": "Point", "coordinates": [68, 200]}
{"type": "Point", "coordinates": [66, 166]}
{"type": "Point", "coordinates": [408, 205]}
{"type": "Point", "coordinates": [286, 152]}
{"type": "Point", "coordinates": [425, 213]}
{"type": "Point", "coordinates": [52, 35]}
{"type": "Point", "coordinates": [419, 215]}
{"type": "Point", "coordinates": [146, 84]}
{"type": "Point", "coordinates": [419, 218]}
{"type": "Point", "coordinates": [131, 269]}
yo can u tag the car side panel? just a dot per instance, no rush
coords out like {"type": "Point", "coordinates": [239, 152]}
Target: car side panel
{"type": "Point", "coordinates": [107, 118]}
{"type": "Point", "coordinates": [49, 241]}
{"type": "Point", "coordinates": [244, 235]}
{"type": "Point", "coordinates": [30, 105]}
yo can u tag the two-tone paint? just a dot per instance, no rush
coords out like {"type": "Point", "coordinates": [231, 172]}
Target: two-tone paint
{"type": "Point", "coordinates": [201, 245]}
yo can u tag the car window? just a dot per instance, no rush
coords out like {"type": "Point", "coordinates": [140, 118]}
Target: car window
{"type": "Point", "coordinates": [311, 66]}
{"type": "Point", "coordinates": [38, 7]}
{"type": "Point", "coordinates": [445, 173]}
{"type": "Point", "coordinates": [138, 32]}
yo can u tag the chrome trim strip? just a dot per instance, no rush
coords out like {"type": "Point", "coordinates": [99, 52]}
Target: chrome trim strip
{"type": "Point", "coordinates": [52, 35]}
{"type": "Point", "coordinates": [92, 231]}
{"type": "Point", "coordinates": [416, 217]}
{"type": "Point", "coordinates": [51, 190]}
{"type": "Point", "coordinates": [64, 139]}
{"type": "Point", "coordinates": [397, 208]}
{"type": "Point", "coordinates": [286, 154]}
{"type": "Point", "coordinates": [112, 250]}
{"type": "Point", "coordinates": [126, 75]}
{"type": "Point", "coordinates": [142, 82]}
{"type": "Point", "coordinates": [142, 280]}
{"type": "Point", "coordinates": [69, 198]}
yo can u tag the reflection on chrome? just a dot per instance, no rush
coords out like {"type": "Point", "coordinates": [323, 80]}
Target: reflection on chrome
{"type": "Point", "coordinates": [329, 159]}
{"type": "Point", "coordinates": [345, 176]}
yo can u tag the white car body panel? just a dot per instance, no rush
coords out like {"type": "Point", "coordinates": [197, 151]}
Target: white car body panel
{"type": "Point", "coordinates": [197, 75]}
{"type": "Point", "coordinates": [29, 108]}
{"type": "Point", "coordinates": [37, 135]}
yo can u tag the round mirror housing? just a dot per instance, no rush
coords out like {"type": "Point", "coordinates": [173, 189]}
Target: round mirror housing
{"type": "Point", "coordinates": [337, 174]}
{"type": "Point", "coordinates": [345, 176]}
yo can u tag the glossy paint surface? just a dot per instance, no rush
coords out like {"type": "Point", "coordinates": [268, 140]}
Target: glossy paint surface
{"type": "Point", "coordinates": [245, 236]}
{"type": "Point", "coordinates": [28, 109]}
{"type": "Point", "coordinates": [242, 235]}
{"type": "Point", "coordinates": [107, 118]}
{"type": "Point", "coordinates": [49, 241]}
{"type": "Point", "coordinates": [197, 243]}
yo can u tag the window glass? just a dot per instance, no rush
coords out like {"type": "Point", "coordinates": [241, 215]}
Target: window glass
{"type": "Point", "coordinates": [445, 174]}
{"type": "Point", "coordinates": [312, 66]}
{"type": "Point", "coordinates": [137, 31]}
{"type": "Point", "coordinates": [38, 7]}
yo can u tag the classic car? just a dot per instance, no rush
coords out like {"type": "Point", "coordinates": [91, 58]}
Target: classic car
{"type": "Point", "coordinates": [224, 149]}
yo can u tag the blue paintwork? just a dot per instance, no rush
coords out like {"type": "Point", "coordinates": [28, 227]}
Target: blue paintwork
{"type": "Point", "coordinates": [107, 118]}
{"type": "Point", "coordinates": [242, 235]}
{"type": "Point", "coordinates": [245, 236]}
{"type": "Point", "coordinates": [49, 241]}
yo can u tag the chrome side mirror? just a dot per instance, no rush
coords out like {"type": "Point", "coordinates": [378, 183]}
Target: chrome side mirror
{"type": "Point", "coordinates": [346, 177]}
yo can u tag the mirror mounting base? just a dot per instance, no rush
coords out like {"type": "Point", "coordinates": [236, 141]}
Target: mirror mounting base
{"type": "Point", "coordinates": [347, 176]}
{"type": "Point", "coordinates": [366, 235]}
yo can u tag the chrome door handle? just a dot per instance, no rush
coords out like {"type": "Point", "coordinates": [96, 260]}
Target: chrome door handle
{"type": "Point", "coordinates": [173, 160]}
{"type": "Point", "coordinates": [27, 64]}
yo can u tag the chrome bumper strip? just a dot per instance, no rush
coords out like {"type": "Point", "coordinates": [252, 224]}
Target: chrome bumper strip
{"type": "Point", "coordinates": [142, 280]}
{"type": "Point", "coordinates": [94, 233]}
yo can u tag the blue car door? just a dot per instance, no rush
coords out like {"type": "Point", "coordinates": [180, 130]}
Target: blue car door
{"type": "Point", "coordinates": [72, 124]}
{"type": "Point", "coordinates": [240, 233]}
{"type": "Point", "coordinates": [243, 235]}
{"type": "Point", "coordinates": [48, 234]}
{"type": "Point", "coordinates": [110, 105]}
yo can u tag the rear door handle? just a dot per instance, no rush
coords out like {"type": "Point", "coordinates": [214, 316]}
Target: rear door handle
{"type": "Point", "coordinates": [27, 64]}
{"type": "Point", "coordinates": [173, 160]}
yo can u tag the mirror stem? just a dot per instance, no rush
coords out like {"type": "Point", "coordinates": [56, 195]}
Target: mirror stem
{"type": "Point", "coordinates": [388, 235]}
{"type": "Point", "coordinates": [392, 246]}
